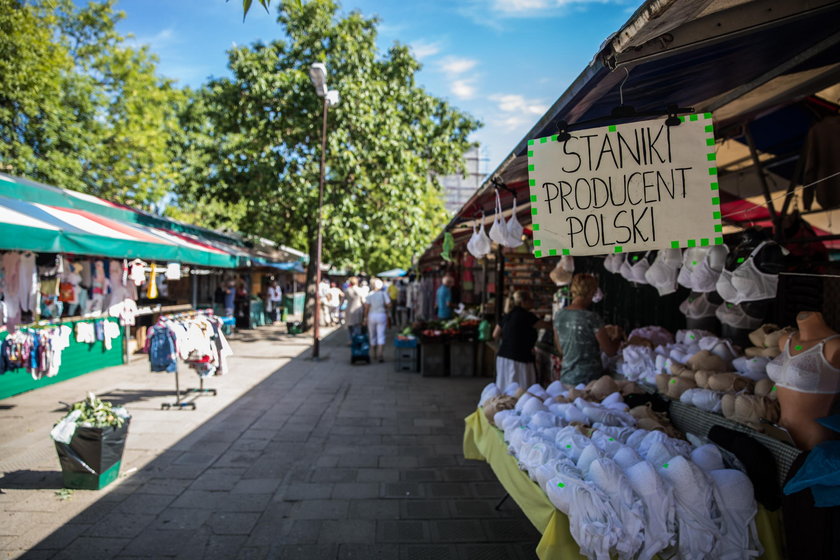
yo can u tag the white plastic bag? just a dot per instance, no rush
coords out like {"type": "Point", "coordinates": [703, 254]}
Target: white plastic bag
{"type": "Point", "coordinates": [64, 430]}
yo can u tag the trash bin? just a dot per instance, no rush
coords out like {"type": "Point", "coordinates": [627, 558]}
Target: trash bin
{"type": "Point", "coordinates": [92, 459]}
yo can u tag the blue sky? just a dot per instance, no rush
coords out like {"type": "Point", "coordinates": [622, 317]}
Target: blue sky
{"type": "Point", "coordinates": [503, 61]}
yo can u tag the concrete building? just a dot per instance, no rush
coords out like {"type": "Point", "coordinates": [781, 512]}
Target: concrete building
{"type": "Point", "coordinates": [458, 189]}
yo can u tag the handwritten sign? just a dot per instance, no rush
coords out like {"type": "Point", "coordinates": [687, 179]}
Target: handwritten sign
{"type": "Point", "coordinates": [627, 187]}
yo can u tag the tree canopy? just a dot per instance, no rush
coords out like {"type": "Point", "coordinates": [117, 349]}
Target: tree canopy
{"type": "Point", "coordinates": [387, 140]}
{"type": "Point", "coordinates": [84, 107]}
{"type": "Point", "coordinates": [81, 107]}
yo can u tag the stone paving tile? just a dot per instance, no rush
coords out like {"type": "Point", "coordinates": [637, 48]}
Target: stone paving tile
{"type": "Point", "coordinates": [447, 490]}
{"type": "Point", "coordinates": [402, 490]}
{"type": "Point", "coordinates": [378, 475]}
{"type": "Point", "coordinates": [368, 552]}
{"type": "Point", "coordinates": [306, 491]}
{"type": "Point", "coordinates": [333, 475]}
{"type": "Point", "coordinates": [120, 525]}
{"type": "Point", "coordinates": [92, 548]}
{"type": "Point", "coordinates": [356, 531]}
{"type": "Point", "coordinates": [320, 509]}
{"type": "Point", "coordinates": [307, 552]}
{"type": "Point", "coordinates": [402, 531]}
{"type": "Point", "coordinates": [487, 552]}
{"type": "Point", "coordinates": [457, 531]}
{"type": "Point", "coordinates": [420, 475]}
{"type": "Point", "coordinates": [423, 509]}
{"type": "Point", "coordinates": [181, 519]}
{"type": "Point", "coordinates": [374, 509]}
{"type": "Point", "coordinates": [355, 490]}
{"type": "Point", "coordinates": [428, 552]}
{"type": "Point", "coordinates": [256, 486]}
{"type": "Point", "coordinates": [232, 523]}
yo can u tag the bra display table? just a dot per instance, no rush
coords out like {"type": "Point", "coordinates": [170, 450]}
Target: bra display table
{"type": "Point", "coordinates": [484, 442]}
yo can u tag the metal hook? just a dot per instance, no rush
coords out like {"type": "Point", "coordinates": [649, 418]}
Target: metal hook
{"type": "Point", "coordinates": [621, 87]}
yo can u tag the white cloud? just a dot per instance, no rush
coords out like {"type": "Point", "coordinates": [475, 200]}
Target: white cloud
{"type": "Point", "coordinates": [463, 89]}
{"type": "Point", "coordinates": [515, 111]}
{"type": "Point", "coordinates": [161, 39]}
{"type": "Point", "coordinates": [454, 66]}
{"type": "Point", "coordinates": [526, 8]}
{"type": "Point", "coordinates": [424, 49]}
{"type": "Point", "coordinates": [515, 103]}
{"type": "Point", "coordinates": [492, 13]}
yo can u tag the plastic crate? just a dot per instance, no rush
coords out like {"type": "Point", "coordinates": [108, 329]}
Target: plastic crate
{"type": "Point", "coordinates": [407, 359]}
{"type": "Point", "coordinates": [410, 343]}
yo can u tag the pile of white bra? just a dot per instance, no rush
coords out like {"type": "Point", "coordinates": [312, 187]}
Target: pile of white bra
{"type": "Point", "coordinates": [506, 233]}
{"type": "Point", "coordinates": [628, 492]}
{"type": "Point", "coordinates": [641, 363]}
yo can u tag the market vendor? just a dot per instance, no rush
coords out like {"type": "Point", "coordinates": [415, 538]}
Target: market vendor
{"type": "Point", "coordinates": [443, 298]}
{"type": "Point", "coordinates": [518, 333]}
{"type": "Point", "coordinates": [581, 334]}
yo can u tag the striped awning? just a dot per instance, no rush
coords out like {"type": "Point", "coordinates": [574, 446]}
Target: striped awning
{"type": "Point", "coordinates": [39, 227]}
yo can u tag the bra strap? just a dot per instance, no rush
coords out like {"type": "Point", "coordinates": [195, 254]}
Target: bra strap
{"type": "Point", "coordinates": [759, 248]}
{"type": "Point", "coordinates": [832, 337]}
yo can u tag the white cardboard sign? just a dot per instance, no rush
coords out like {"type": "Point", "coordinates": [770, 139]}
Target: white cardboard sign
{"type": "Point", "coordinates": [626, 187]}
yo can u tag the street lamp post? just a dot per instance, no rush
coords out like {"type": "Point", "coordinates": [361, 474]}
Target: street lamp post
{"type": "Point", "coordinates": [318, 76]}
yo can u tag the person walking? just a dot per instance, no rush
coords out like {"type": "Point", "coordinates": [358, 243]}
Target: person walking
{"type": "Point", "coordinates": [518, 333]}
{"type": "Point", "coordinates": [393, 292]}
{"type": "Point", "coordinates": [354, 314]}
{"type": "Point", "coordinates": [334, 297]}
{"type": "Point", "coordinates": [377, 304]}
{"type": "Point", "coordinates": [275, 301]}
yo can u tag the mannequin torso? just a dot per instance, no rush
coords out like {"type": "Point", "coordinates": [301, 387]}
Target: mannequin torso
{"type": "Point", "coordinates": [801, 410]}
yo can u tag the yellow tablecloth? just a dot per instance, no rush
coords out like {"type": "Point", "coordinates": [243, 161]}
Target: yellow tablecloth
{"type": "Point", "coordinates": [484, 442]}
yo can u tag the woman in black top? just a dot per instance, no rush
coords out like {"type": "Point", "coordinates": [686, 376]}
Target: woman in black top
{"type": "Point", "coordinates": [518, 333]}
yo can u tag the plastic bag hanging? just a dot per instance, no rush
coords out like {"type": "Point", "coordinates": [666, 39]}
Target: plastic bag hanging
{"type": "Point", "coordinates": [448, 245]}
{"type": "Point", "coordinates": [498, 231]}
{"type": "Point", "coordinates": [483, 244]}
{"type": "Point", "coordinates": [514, 229]}
{"type": "Point", "coordinates": [471, 243]}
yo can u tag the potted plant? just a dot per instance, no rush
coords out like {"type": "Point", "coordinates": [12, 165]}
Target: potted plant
{"type": "Point", "coordinates": [90, 440]}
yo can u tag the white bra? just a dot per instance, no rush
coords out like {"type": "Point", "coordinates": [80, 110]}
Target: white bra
{"type": "Point", "coordinates": [747, 282]}
{"type": "Point", "coordinates": [806, 372]}
{"type": "Point", "coordinates": [703, 276]}
{"type": "Point", "coordinates": [698, 307]}
{"type": "Point", "coordinates": [635, 272]}
{"type": "Point", "coordinates": [735, 316]}
{"type": "Point", "coordinates": [662, 274]}
{"type": "Point", "coordinates": [613, 262]}
{"type": "Point", "coordinates": [691, 259]}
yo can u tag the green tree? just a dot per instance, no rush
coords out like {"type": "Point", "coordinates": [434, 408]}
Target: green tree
{"type": "Point", "coordinates": [82, 108]}
{"type": "Point", "coordinates": [387, 140]}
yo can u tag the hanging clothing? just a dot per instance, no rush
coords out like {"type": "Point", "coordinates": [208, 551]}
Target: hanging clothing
{"type": "Point", "coordinates": [820, 161]}
{"type": "Point", "coordinates": [28, 283]}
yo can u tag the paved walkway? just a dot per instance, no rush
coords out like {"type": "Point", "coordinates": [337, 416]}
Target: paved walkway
{"type": "Point", "coordinates": [293, 459]}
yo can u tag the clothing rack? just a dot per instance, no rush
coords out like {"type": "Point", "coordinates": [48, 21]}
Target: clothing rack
{"type": "Point", "coordinates": [201, 389]}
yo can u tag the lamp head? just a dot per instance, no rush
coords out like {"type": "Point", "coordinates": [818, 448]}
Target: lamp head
{"type": "Point", "coordinates": [318, 77]}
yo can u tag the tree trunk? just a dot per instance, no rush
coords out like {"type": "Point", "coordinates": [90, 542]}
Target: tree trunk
{"type": "Point", "coordinates": [311, 289]}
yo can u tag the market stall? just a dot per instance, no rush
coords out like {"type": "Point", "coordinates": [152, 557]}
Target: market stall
{"type": "Point", "coordinates": [76, 283]}
{"type": "Point", "coordinates": [751, 252]}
